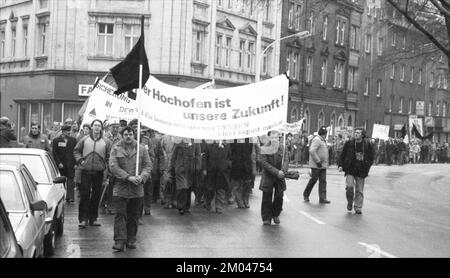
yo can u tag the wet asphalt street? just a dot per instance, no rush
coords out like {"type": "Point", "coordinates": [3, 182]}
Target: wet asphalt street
{"type": "Point", "coordinates": [406, 213]}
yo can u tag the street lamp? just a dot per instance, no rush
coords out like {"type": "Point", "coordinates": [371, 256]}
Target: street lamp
{"type": "Point", "coordinates": [301, 35]}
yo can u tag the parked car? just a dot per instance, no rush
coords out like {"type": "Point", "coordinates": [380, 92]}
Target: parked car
{"type": "Point", "coordinates": [51, 186]}
{"type": "Point", "coordinates": [27, 211]}
{"type": "Point", "coordinates": [9, 248]}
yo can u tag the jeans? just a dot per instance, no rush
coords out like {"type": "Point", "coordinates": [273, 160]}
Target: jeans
{"type": "Point", "coordinates": [321, 175]}
{"type": "Point", "coordinates": [126, 218]}
{"type": "Point", "coordinates": [271, 207]}
{"type": "Point", "coordinates": [90, 193]}
{"type": "Point", "coordinates": [217, 187]}
{"type": "Point", "coordinates": [355, 184]}
{"type": "Point", "coordinates": [241, 191]}
{"type": "Point", "coordinates": [70, 189]}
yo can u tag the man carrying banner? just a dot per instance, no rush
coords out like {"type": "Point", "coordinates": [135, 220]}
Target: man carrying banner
{"type": "Point", "coordinates": [356, 160]}
{"type": "Point", "coordinates": [128, 188]}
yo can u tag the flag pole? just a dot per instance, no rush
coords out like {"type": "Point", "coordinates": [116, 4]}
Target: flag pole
{"type": "Point", "coordinates": [138, 93]}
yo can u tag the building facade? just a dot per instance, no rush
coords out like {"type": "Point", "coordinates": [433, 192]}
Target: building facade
{"type": "Point", "coordinates": [51, 51]}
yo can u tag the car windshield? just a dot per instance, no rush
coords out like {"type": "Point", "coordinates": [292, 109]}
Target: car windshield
{"type": "Point", "coordinates": [34, 163]}
{"type": "Point", "coordinates": [10, 192]}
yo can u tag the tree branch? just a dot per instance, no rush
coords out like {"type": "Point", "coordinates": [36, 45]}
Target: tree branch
{"type": "Point", "coordinates": [444, 11]}
{"type": "Point", "coordinates": [421, 29]}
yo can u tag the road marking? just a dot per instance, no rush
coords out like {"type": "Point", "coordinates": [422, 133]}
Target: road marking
{"type": "Point", "coordinates": [375, 250]}
{"type": "Point", "coordinates": [311, 217]}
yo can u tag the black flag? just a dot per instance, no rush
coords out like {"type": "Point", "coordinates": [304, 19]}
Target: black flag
{"type": "Point", "coordinates": [126, 73]}
{"type": "Point", "coordinates": [403, 131]}
{"type": "Point", "coordinates": [418, 135]}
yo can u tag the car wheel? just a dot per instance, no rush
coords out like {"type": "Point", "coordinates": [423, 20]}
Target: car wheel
{"type": "Point", "coordinates": [60, 224]}
{"type": "Point", "coordinates": [49, 242]}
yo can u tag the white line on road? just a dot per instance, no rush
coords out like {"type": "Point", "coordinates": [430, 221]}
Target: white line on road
{"type": "Point", "coordinates": [311, 217]}
{"type": "Point", "coordinates": [375, 250]}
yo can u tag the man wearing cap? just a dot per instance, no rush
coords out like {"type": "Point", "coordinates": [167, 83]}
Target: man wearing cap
{"type": "Point", "coordinates": [92, 155]}
{"type": "Point", "coordinates": [63, 147]}
{"type": "Point", "coordinates": [6, 133]}
{"type": "Point", "coordinates": [318, 161]}
{"type": "Point", "coordinates": [35, 139]}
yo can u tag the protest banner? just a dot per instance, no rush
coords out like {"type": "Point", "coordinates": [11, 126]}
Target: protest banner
{"type": "Point", "coordinates": [232, 113]}
{"type": "Point", "coordinates": [414, 120]}
{"type": "Point", "coordinates": [294, 128]}
{"type": "Point", "coordinates": [380, 131]}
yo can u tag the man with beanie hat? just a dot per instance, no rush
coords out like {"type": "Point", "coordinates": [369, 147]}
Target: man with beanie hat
{"type": "Point", "coordinates": [92, 155]}
{"type": "Point", "coordinates": [318, 161]}
{"type": "Point", "coordinates": [63, 147]}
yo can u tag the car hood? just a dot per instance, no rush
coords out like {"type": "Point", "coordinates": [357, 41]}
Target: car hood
{"type": "Point", "coordinates": [15, 219]}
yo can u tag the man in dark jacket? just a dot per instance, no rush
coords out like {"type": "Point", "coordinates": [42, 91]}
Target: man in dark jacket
{"type": "Point", "coordinates": [242, 172]}
{"type": "Point", "coordinates": [6, 133]}
{"type": "Point", "coordinates": [356, 159]}
{"type": "Point", "coordinates": [216, 166]}
{"type": "Point", "coordinates": [63, 147]}
{"type": "Point", "coordinates": [128, 187]}
{"type": "Point", "coordinates": [273, 182]}
{"type": "Point", "coordinates": [35, 139]}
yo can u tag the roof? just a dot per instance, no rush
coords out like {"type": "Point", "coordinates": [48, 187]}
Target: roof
{"type": "Point", "coordinates": [10, 165]}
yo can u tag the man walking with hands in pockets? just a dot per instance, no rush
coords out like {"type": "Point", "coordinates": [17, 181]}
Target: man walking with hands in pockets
{"type": "Point", "coordinates": [318, 161]}
{"type": "Point", "coordinates": [356, 160]}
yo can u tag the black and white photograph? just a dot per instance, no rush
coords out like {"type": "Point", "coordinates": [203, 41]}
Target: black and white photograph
{"type": "Point", "coordinates": [224, 133]}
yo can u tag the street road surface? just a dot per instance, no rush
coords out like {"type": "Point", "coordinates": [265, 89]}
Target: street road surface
{"type": "Point", "coordinates": [406, 213]}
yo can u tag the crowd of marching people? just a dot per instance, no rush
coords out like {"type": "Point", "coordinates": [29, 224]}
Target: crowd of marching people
{"type": "Point", "coordinates": [100, 161]}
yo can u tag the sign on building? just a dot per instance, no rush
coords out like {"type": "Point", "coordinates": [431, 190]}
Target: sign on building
{"type": "Point", "coordinates": [420, 108]}
{"type": "Point", "coordinates": [84, 90]}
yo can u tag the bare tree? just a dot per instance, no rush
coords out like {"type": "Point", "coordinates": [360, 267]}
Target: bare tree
{"type": "Point", "coordinates": [432, 19]}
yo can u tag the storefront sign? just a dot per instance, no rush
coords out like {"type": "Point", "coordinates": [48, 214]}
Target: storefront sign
{"type": "Point", "coordinates": [420, 108]}
{"type": "Point", "coordinates": [398, 127]}
{"type": "Point", "coordinates": [84, 90]}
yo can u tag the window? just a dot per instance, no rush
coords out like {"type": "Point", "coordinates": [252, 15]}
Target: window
{"type": "Point", "coordinates": [295, 66]}
{"type": "Point", "coordinates": [410, 106]}
{"type": "Point", "coordinates": [291, 16]}
{"type": "Point", "coordinates": [250, 55]}
{"type": "Point", "coordinates": [440, 83]}
{"type": "Point", "coordinates": [338, 22]}
{"type": "Point", "coordinates": [438, 106]}
{"type": "Point", "coordinates": [43, 4]}
{"type": "Point", "coordinates": [288, 61]}
{"type": "Point", "coordinates": [352, 79]}
{"type": "Point", "coordinates": [400, 108]}
{"type": "Point", "coordinates": [132, 34]}
{"type": "Point", "coordinates": [367, 86]}
{"type": "Point", "coordinates": [320, 119]}
{"type": "Point", "coordinates": [267, 11]}
{"type": "Point", "coordinates": [105, 39]}
{"type": "Point", "coordinates": [309, 64]}
{"type": "Point", "coordinates": [354, 38]}
{"type": "Point", "coordinates": [338, 75]}
{"type": "Point", "coordinates": [402, 73]}
{"type": "Point", "coordinates": [219, 4]}
{"type": "Point", "coordinates": [34, 163]}
{"type": "Point", "coordinates": [392, 71]}
{"type": "Point", "coordinates": [445, 85]}
{"type": "Point", "coordinates": [25, 40]}
{"type": "Point", "coordinates": [420, 77]}
{"type": "Point", "coordinates": [394, 38]}
{"type": "Point", "coordinates": [42, 38]}
{"type": "Point", "coordinates": [219, 49]}
{"type": "Point", "coordinates": [342, 33]}
{"type": "Point", "coordinates": [430, 108]}
{"type": "Point", "coordinates": [311, 24]}
{"type": "Point", "coordinates": [13, 42]}
{"type": "Point", "coordinates": [10, 190]}
{"type": "Point", "coordinates": [378, 87]}
{"type": "Point", "coordinates": [368, 43]}
{"type": "Point", "coordinates": [2, 43]}
{"type": "Point", "coordinates": [294, 114]}
{"type": "Point", "coordinates": [325, 28]}
{"type": "Point", "coordinates": [266, 61]}
{"type": "Point", "coordinates": [229, 4]}
{"type": "Point", "coordinates": [198, 46]}
{"type": "Point", "coordinates": [227, 51]}
{"type": "Point", "coordinates": [411, 76]}
{"type": "Point", "coordinates": [444, 109]}
{"type": "Point", "coordinates": [404, 42]}
{"type": "Point", "coordinates": [380, 46]}
{"type": "Point", "coordinates": [323, 75]}
{"type": "Point", "coordinates": [432, 80]}
{"type": "Point", "coordinates": [298, 13]}
{"type": "Point", "coordinates": [241, 54]}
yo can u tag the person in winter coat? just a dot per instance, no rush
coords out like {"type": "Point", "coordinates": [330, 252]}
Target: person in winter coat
{"type": "Point", "coordinates": [185, 166]}
{"type": "Point", "coordinates": [356, 160]}
{"type": "Point", "coordinates": [167, 182]}
{"type": "Point", "coordinates": [242, 172]}
{"type": "Point", "coordinates": [128, 190]}
{"type": "Point", "coordinates": [273, 182]}
{"type": "Point", "coordinates": [63, 147]}
{"type": "Point", "coordinates": [318, 161]}
{"type": "Point", "coordinates": [6, 133]}
{"type": "Point", "coordinates": [216, 166]}
{"type": "Point", "coordinates": [92, 155]}
{"type": "Point", "coordinates": [35, 139]}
